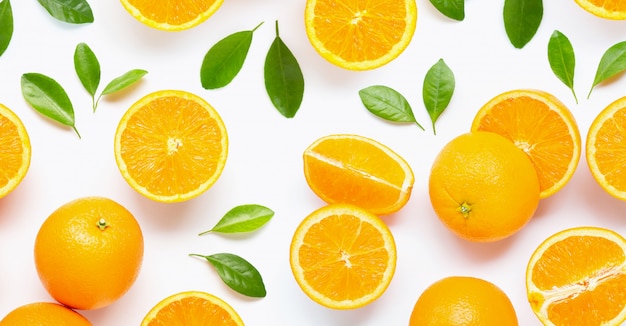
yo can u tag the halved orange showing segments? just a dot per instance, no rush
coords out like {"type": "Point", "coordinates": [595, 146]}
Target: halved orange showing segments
{"type": "Point", "coordinates": [609, 9]}
{"type": "Point", "coordinates": [16, 151]}
{"type": "Point", "coordinates": [172, 15]}
{"type": "Point", "coordinates": [192, 308]}
{"type": "Point", "coordinates": [576, 278]}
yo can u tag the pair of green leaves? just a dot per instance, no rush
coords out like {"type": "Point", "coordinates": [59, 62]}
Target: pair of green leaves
{"type": "Point", "coordinates": [69, 11]}
{"type": "Point", "coordinates": [6, 25]}
{"type": "Point", "coordinates": [389, 104]}
{"type": "Point", "coordinates": [284, 81]}
{"type": "Point", "coordinates": [236, 272]}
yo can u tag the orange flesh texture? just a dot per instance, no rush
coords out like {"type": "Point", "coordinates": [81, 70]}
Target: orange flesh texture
{"type": "Point", "coordinates": [359, 30]}
{"type": "Point", "coordinates": [11, 151]}
{"type": "Point", "coordinates": [610, 5]}
{"type": "Point", "coordinates": [343, 257]}
{"type": "Point", "coordinates": [590, 279]}
{"type": "Point", "coordinates": [192, 311]}
{"type": "Point", "coordinates": [172, 12]}
{"type": "Point", "coordinates": [536, 129]}
{"type": "Point", "coordinates": [610, 150]}
{"type": "Point", "coordinates": [172, 146]}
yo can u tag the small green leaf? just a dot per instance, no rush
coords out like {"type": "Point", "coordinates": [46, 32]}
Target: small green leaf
{"type": "Point", "coordinates": [388, 104]}
{"type": "Point", "coordinates": [225, 59]}
{"type": "Point", "coordinates": [284, 82]}
{"type": "Point", "coordinates": [437, 91]}
{"type": "Point", "coordinates": [69, 11]}
{"type": "Point", "coordinates": [123, 81]}
{"type": "Point", "coordinates": [243, 218]}
{"type": "Point", "coordinates": [48, 97]}
{"type": "Point", "coordinates": [613, 62]}
{"type": "Point", "coordinates": [454, 9]}
{"type": "Point", "coordinates": [521, 20]}
{"type": "Point", "coordinates": [237, 273]}
{"type": "Point", "coordinates": [87, 68]}
{"type": "Point", "coordinates": [6, 25]}
{"type": "Point", "coordinates": [562, 59]}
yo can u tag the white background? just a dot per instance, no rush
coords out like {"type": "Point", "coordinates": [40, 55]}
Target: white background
{"type": "Point", "coordinates": [265, 154]}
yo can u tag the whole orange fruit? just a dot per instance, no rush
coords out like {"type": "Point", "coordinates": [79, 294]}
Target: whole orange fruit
{"type": "Point", "coordinates": [463, 301]}
{"type": "Point", "coordinates": [483, 187]}
{"type": "Point", "coordinates": [89, 252]}
{"type": "Point", "coordinates": [44, 314]}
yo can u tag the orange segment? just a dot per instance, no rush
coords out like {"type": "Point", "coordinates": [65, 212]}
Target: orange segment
{"type": "Point", "coordinates": [606, 148]}
{"type": "Point", "coordinates": [172, 15]}
{"type": "Point", "coordinates": [353, 169]}
{"type": "Point", "coordinates": [609, 9]}
{"type": "Point", "coordinates": [16, 152]}
{"type": "Point", "coordinates": [192, 308]}
{"type": "Point", "coordinates": [342, 256]}
{"type": "Point", "coordinates": [577, 277]}
{"type": "Point", "coordinates": [540, 125]}
{"type": "Point", "coordinates": [171, 146]}
{"type": "Point", "coordinates": [360, 34]}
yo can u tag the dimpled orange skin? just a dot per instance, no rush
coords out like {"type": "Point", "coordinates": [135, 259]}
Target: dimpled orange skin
{"type": "Point", "coordinates": [88, 252]}
{"type": "Point", "coordinates": [44, 314]}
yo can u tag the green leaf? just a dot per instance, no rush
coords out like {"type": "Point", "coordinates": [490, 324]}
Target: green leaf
{"type": "Point", "coordinates": [225, 59]}
{"type": "Point", "coordinates": [243, 218]}
{"type": "Point", "coordinates": [388, 104]}
{"type": "Point", "coordinates": [6, 25]}
{"type": "Point", "coordinates": [437, 91]}
{"type": "Point", "coordinates": [87, 68]}
{"type": "Point", "coordinates": [237, 273]}
{"type": "Point", "coordinates": [613, 62]}
{"type": "Point", "coordinates": [123, 81]}
{"type": "Point", "coordinates": [521, 20]}
{"type": "Point", "coordinates": [284, 82]}
{"type": "Point", "coordinates": [48, 97]}
{"type": "Point", "coordinates": [562, 59]}
{"type": "Point", "coordinates": [454, 9]}
{"type": "Point", "coordinates": [69, 11]}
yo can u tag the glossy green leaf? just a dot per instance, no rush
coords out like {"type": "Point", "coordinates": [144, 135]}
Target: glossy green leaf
{"type": "Point", "coordinates": [521, 20]}
{"type": "Point", "coordinates": [47, 96]}
{"type": "Point", "coordinates": [237, 273]}
{"type": "Point", "coordinates": [87, 69]}
{"type": "Point", "coordinates": [284, 82]}
{"type": "Point", "coordinates": [123, 81]}
{"type": "Point", "coordinates": [243, 218]}
{"type": "Point", "coordinates": [225, 59]}
{"type": "Point", "coordinates": [387, 103]}
{"type": "Point", "coordinates": [69, 11]}
{"type": "Point", "coordinates": [6, 25]}
{"type": "Point", "coordinates": [613, 62]}
{"type": "Point", "coordinates": [562, 59]}
{"type": "Point", "coordinates": [454, 9]}
{"type": "Point", "coordinates": [439, 84]}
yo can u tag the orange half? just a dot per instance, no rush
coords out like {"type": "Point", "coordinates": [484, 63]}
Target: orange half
{"type": "Point", "coordinates": [172, 15]}
{"type": "Point", "coordinates": [609, 9]}
{"type": "Point", "coordinates": [16, 151]}
{"type": "Point", "coordinates": [192, 308]}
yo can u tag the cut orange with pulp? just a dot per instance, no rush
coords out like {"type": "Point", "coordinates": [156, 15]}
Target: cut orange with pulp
{"type": "Point", "coordinates": [609, 9]}
{"type": "Point", "coordinates": [578, 277]}
{"type": "Point", "coordinates": [605, 148]}
{"type": "Point", "coordinates": [16, 151]}
{"type": "Point", "coordinates": [342, 256]}
{"type": "Point", "coordinates": [171, 146]}
{"type": "Point", "coordinates": [172, 15]}
{"type": "Point", "coordinates": [346, 168]}
{"type": "Point", "coordinates": [192, 308]}
{"type": "Point", "coordinates": [360, 34]}
{"type": "Point", "coordinates": [540, 125]}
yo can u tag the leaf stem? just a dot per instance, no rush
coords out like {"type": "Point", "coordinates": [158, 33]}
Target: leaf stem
{"type": "Point", "coordinates": [205, 232]}
{"type": "Point", "coordinates": [76, 130]}
{"type": "Point", "coordinates": [277, 35]}
{"type": "Point", "coordinates": [257, 26]}
{"type": "Point", "coordinates": [197, 255]}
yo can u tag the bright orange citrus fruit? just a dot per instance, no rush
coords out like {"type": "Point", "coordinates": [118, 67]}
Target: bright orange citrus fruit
{"type": "Point", "coordinates": [463, 301]}
{"type": "Point", "coordinates": [609, 9]}
{"type": "Point", "coordinates": [482, 187]}
{"type": "Point", "coordinates": [16, 152]}
{"type": "Point", "coordinates": [171, 146]}
{"type": "Point", "coordinates": [192, 308]}
{"type": "Point", "coordinates": [342, 256]}
{"type": "Point", "coordinates": [576, 278]}
{"type": "Point", "coordinates": [44, 314]}
{"type": "Point", "coordinates": [88, 252]}
{"type": "Point", "coordinates": [344, 168]}
{"type": "Point", "coordinates": [542, 126]}
{"type": "Point", "coordinates": [172, 15]}
{"type": "Point", "coordinates": [360, 34]}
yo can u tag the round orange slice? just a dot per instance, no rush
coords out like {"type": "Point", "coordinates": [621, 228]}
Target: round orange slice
{"type": "Point", "coordinates": [360, 34]}
{"type": "Point", "coordinates": [172, 15]}
{"type": "Point", "coordinates": [192, 308]}
{"type": "Point", "coordinates": [576, 278]}
{"type": "Point", "coordinates": [540, 125]}
{"type": "Point", "coordinates": [342, 256]}
{"type": "Point", "coordinates": [16, 151]}
{"type": "Point", "coordinates": [171, 146]}
{"type": "Point", "coordinates": [609, 9]}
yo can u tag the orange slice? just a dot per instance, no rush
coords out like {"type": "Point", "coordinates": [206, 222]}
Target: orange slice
{"type": "Point", "coordinates": [192, 308]}
{"type": "Point", "coordinates": [342, 256]}
{"type": "Point", "coordinates": [360, 34]}
{"type": "Point", "coordinates": [577, 277]}
{"type": "Point", "coordinates": [609, 9]}
{"type": "Point", "coordinates": [172, 15]}
{"type": "Point", "coordinates": [540, 125]}
{"type": "Point", "coordinates": [16, 151]}
{"type": "Point", "coordinates": [344, 168]}
{"type": "Point", "coordinates": [171, 146]}
{"type": "Point", "coordinates": [605, 148]}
